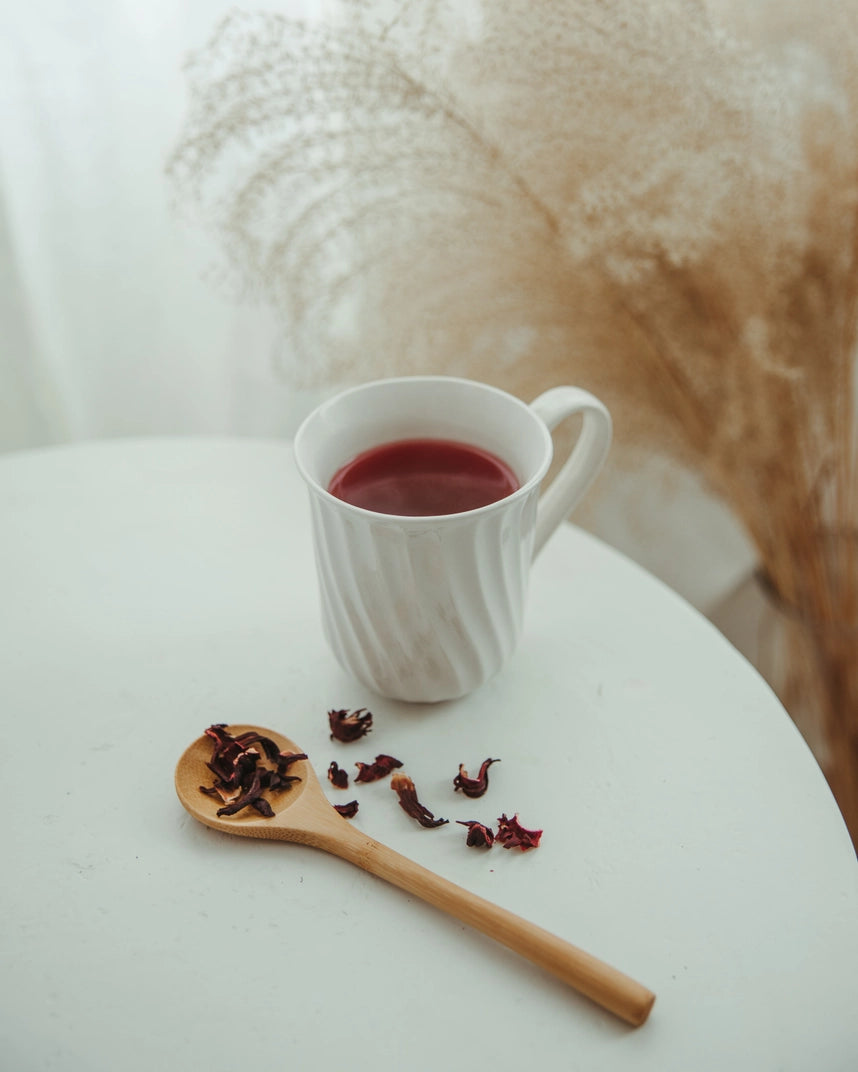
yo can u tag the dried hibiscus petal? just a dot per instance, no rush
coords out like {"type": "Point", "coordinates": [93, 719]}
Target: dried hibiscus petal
{"type": "Point", "coordinates": [251, 794]}
{"type": "Point", "coordinates": [349, 725]}
{"type": "Point", "coordinates": [474, 787]}
{"type": "Point", "coordinates": [348, 811]}
{"type": "Point", "coordinates": [275, 782]}
{"type": "Point", "coordinates": [479, 835]}
{"type": "Point", "coordinates": [231, 763]}
{"type": "Point", "coordinates": [338, 777]}
{"type": "Point", "coordinates": [279, 779]}
{"type": "Point", "coordinates": [286, 759]}
{"type": "Point", "coordinates": [227, 796]}
{"type": "Point", "coordinates": [371, 772]}
{"type": "Point", "coordinates": [240, 778]}
{"type": "Point", "coordinates": [262, 806]}
{"type": "Point", "coordinates": [402, 785]}
{"type": "Point", "coordinates": [512, 835]}
{"type": "Point", "coordinates": [252, 737]}
{"type": "Point", "coordinates": [223, 740]}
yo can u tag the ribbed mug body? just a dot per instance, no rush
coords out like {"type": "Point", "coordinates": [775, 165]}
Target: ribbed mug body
{"type": "Point", "coordinates": [423, 610]}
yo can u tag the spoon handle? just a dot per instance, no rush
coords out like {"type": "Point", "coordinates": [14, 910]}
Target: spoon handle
{"type": "Point", "coordinates": [606, 986]}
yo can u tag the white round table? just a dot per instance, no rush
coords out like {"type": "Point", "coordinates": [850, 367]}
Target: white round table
{"type": "Point", "coordinates": [150, 588]}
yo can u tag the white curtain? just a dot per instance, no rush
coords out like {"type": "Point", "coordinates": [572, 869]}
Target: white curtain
{"type": "Point", "coordinates": [109, 326]}
{"type": "Point", "coordinates": [108, 323]}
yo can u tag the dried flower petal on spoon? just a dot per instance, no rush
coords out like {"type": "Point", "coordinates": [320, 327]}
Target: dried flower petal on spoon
{"type": "Point", "coordinates": [240, 778]}
{"type": "Point", "coordinates": [252, 796]}
{"type": "Point", "coordinates": [348, 811]}
{"type": "Point", "coordinates": [279, 779]}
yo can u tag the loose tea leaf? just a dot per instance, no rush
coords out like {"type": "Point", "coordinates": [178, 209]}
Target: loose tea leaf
{"type": "Point", "coordinates": [403, 786]}
{"type": "Point", "coordinates": [349, 725]}
{"type": "Point", "coordinates": [474, 787]}
{"type": "Point", "coordinates": [348, 811]}
{"type": "Point", "coordinates": [512, 835]}
{"type": "Point", "coordinates": [479, 835]}
{"type": "Point", "coordinates": [371, 772]}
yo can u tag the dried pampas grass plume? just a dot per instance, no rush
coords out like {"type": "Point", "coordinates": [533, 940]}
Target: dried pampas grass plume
{"type": "Point", "coordinates": [626, 195]}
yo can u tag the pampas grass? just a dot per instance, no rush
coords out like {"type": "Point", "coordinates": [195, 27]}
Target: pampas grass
{"type": "Point", "coordinates": [624, 195]}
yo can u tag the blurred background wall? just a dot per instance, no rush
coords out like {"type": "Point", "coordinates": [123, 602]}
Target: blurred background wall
{"type": "Point", "coordinates": [111, 323]}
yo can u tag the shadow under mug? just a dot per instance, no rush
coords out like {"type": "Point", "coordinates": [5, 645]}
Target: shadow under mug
{"type": "Point", "coordinates": [425, 609]}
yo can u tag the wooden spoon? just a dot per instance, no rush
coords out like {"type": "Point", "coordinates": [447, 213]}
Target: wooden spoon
{"type": "Point", "coordinates": [304, 814]}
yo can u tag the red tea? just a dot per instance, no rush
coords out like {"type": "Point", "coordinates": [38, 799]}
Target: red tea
{"type": "Point", "coordinates": [422, 477]}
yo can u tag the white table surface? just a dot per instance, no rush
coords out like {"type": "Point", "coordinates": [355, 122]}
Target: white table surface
{"type": "Point", "coordinates": [150, 588]}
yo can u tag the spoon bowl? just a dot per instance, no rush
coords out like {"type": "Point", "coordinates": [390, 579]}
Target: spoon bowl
{"type": "Point", "coordinates": [303, 814]}
{"type": "Point", "coordinates": [192, 771]}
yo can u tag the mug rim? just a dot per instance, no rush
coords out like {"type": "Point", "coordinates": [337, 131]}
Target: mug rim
{"type": "Point", "coordinates": [421, 519]}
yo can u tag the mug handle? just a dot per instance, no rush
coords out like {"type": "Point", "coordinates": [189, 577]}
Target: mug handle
{"type": "Point", "coordinates": [582, 466]}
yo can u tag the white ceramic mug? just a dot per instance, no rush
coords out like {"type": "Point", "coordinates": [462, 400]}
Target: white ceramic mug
{"type": "Point", "coordinates": [428, 608]}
